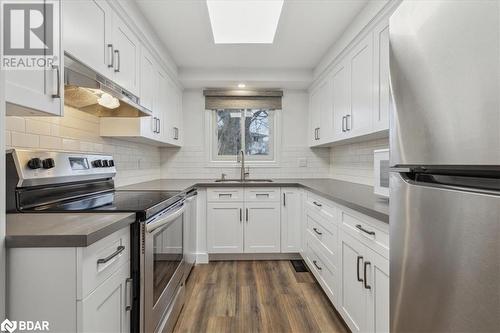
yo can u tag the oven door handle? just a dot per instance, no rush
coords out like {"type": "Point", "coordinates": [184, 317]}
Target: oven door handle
{"type": "Point", "coordinates": [150, 227]}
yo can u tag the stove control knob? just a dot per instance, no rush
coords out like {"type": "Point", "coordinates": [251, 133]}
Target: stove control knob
{"type": "Point", "coordinates": [105, 163]}
{"type": "Point", "coordinates": [97, 164]}
{"type": "Point", "coordinates": [48, 163]}
{"type": "Point", "coordinates": [35, 163]}
{"type": "Point", "coordinates": [111, 163]}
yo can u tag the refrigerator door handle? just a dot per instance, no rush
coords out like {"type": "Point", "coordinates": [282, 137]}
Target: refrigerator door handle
{"type": "Point", "coordinates": [399, 170]}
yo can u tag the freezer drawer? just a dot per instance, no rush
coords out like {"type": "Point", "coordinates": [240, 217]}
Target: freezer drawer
{"type": "Point", "coordinates": [445, 259]}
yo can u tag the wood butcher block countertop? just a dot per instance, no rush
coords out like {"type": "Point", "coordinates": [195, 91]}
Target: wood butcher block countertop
{"type": "Point", "coordinates": [62, 229]}
{"type": "Point", "coordinates": [354, 196]}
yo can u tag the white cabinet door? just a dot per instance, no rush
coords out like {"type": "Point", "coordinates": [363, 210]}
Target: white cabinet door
{"type": "Point", "coordinates": [87, 27]}
{"type": "Point", "coordinates": [353, 297]}
{"type": "Point", "coordinates": [105, 309]}
{"type": "Point", "coordinates": [359, 121]}
{"type": "Point", "coordinates": [262, 227]}
{"type": "Point", "coordinates": [377, 280]}
{"type": "Point", "coordinates": [40, 91]}
{"type": "Point", "coordinates": [126, 56]}
{"type": "Point", "coordinates": [341, 99]}
{"type": "Point", "coordinates": [382, 96]}
{"type": "Point", "coordinates": [325, 132]}
{"type": "Point", "coordinates": [291, 219]}
{"type": "Point", "coordinates": [225, 227]}
{"type": "Point", "coordinates": [147, 83]}
{"type": "Point", "coordinates": [314, 116]}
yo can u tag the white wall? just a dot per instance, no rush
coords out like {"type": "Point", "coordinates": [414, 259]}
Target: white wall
{"type": "Point", "coordinates": [2, 197]}
{"type": "Point", "coordinates": [192, 160]}
{"type": "Point", "coordinates": [79, 131]}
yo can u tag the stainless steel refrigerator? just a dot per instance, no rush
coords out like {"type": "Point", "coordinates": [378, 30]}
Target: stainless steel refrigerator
{"type": "Point", "coordinates": [445, 158]}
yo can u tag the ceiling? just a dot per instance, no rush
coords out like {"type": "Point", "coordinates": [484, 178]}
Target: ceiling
{"type": "Point", "coordinates": [306, 30]}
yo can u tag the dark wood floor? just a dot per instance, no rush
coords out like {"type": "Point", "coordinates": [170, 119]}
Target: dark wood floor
{"type": "Point", "coordinates": [255, 296]}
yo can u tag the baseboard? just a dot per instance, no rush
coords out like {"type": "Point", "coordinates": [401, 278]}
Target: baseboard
{"type": "Point", "coordinates": [202, 258]}
{"type": "Point", "coordinates": [253, 256]}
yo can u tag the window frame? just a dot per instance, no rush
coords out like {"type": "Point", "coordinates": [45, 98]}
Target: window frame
{"type": "Point", "coordinates": [250, 160]}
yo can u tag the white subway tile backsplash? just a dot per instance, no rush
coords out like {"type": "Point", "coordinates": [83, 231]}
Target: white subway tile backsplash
{"type": "Point", "coordinates": [24, 140]}
{"type": "Point", "coordinates": [79, 132]}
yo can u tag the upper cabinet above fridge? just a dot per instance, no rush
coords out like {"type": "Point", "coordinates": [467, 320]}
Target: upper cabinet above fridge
{"type": "Point", "coordinates": [34, 66]}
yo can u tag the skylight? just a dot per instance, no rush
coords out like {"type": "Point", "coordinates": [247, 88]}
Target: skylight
{"type": "Point", "coordinates": [244, 21]}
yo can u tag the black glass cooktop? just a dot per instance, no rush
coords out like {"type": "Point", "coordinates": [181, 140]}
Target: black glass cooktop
{"type": "Point", "coordinates": [144, 203]}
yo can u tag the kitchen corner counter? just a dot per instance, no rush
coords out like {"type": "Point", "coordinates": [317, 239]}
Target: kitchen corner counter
{"type": "Point", "coordinates": [62, 229]}
{"type": "Point", "coordinates": [357, 197]}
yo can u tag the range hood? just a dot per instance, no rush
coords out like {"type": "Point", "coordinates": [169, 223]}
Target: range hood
{"type": "Point", "coordinates": [88, 91]}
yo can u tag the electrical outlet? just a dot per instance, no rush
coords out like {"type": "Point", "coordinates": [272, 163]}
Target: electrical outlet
{"type": "Point", "coordinates": [302, 162]}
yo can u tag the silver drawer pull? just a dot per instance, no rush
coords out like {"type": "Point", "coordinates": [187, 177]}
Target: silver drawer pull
{"type": "Point", "coordinates": [119, 250]}
{"type": "Point", "coordinates": [317, 204]}
{"type": "Point", "coordinates": [316, 231]}
{"type": "Point", "coordinates": [316, 264]}
{"type": "Point", "coordinates": [360, 227]}
{"type": "Point", "coordinates": [264, 195]}
{"type": "Point", "coordinates": [225, 195]}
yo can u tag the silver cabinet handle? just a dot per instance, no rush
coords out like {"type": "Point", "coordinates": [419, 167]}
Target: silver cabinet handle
{"type": "Point", "coordinates": [319, 133]}
{"type": "Point", "coordinates": [159, 125]}
{"type": "Point", "coordinates": [241, 214]}
{"type": "Point", "coordinates": [364, 275]}
{"type": "Point", "coordinates": [247, 214]}
{"type": "Point", "coordinates": [284, 199]}
{"type": "Point", "coordinates": [316, 264]}
{"type": "Point", "coordinates": [316, 231]}
{"type": "Point", "coordinates": [111, 60]}
{"type": "Point", "coordinates": [176, 133]}
{"type": "Point", "coordinates": [128, 295]}
{"type": "Point", "coordinates": [117, 54]}
{"type": "Point", "coordinates": [347, 117]}
{"type": "Point", "coordinates": [58, 73]}
{"type": "Point", "coordinates": [317, 204]}
{"type": "Point", "coordinates": [343, 124]}
{"type": "Point", "coordinates": [119, 250]}
{"type": "Point", "coordinates": [369, 232]}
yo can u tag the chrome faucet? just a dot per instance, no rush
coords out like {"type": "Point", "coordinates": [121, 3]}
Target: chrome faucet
{"type": "Point", "coordinates": [241, 158]}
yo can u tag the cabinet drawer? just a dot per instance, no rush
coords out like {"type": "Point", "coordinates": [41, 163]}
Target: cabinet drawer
{"type": "Point", "coordinates": [374, 237]}
{"type": "Point", "coordinates": [326, 238]}
{"type": "Point", "coordinates": [262, 194]}
{"type": "Point", "coordinates": [324, 273]}
{"type": "Point", "coordinates": [321, 206]}
{"type": "Point", "coordinates": [101, 259]}
{"type": "Point", "coordinates": [225, 194]}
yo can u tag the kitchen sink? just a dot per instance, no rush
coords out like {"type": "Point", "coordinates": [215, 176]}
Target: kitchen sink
{"type": "Point", "coordinates": [245, 181]}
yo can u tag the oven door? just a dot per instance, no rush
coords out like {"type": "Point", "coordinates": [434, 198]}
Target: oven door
{"type": "Point", "coordinates": [163, 264]}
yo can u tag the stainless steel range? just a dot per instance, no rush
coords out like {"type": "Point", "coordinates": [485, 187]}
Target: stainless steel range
{"type": "Point", "coordinates": [43, 182]}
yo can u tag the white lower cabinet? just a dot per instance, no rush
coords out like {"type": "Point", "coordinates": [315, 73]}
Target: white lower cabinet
{"type": "Point", "coordinates": [291, 217]}
{"type": "Point", "coordinates": [243, 220]}
{"type": "Point", "coordinates": [225, 227]}
{"type": "Point", "coordinates": [262, 227]}
{"type": "Point", "coordinates": [106, 308]}
{"type": "Point", "coordinates": [347, 252]}
{"type": "Point", "coordinates": [76, 289]}
{"type": "Point", "coordinates": [364, 303]}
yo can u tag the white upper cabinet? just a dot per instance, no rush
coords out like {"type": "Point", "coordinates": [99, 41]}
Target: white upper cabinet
{"type": "Point", "coordinates": [359, 120]}
{"type": "Point", "coordinates": [31, 92]}
{"type": "Point", "coordinates": [147, 79]}
{"type": "Point", "coordinates": [358, 100]}
{"type": "Point", "coordinates": [126, 55]}
{"type": "Point", "coordinates": [87, 34]}
{"type": "Point", "coordinates": [382, 98]}
{"type": "Point", "coordinates": [341, 99]}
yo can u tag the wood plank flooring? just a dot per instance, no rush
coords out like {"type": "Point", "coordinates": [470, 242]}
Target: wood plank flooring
{"type": "Point", "coordinates": [255, 296]}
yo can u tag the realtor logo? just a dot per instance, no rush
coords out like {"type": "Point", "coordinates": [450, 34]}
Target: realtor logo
{"type": "Point", "coordinates": [29, 30]}
{"type": "Point", "coordinates": [8, 326]}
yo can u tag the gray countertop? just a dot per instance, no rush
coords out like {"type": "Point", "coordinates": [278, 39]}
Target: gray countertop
{"type": "Point", "coordinates": [62, 229]}
{"type": "Point", "coordinates": [355, 196]}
